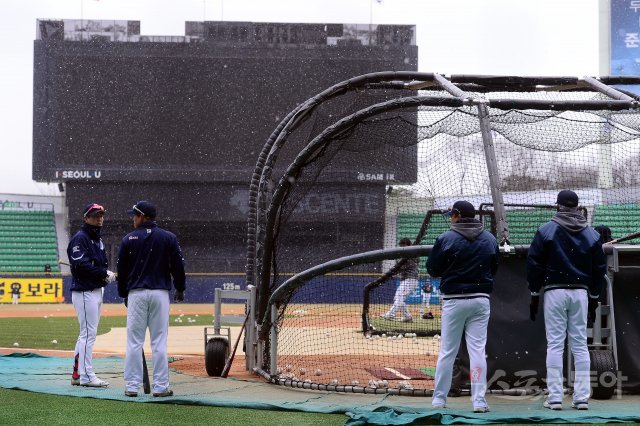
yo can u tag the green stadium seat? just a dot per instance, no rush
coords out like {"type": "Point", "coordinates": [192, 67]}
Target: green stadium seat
{"type": "Point", "coordinates": [522, 225]}
{"type": "Point", "coordinates": [28, 241]}
{"type": "Point", "coordinates": [623, 219]}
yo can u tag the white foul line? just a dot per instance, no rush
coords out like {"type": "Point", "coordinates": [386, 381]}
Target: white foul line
{"type": "Point", "coordinates": [397, 373]}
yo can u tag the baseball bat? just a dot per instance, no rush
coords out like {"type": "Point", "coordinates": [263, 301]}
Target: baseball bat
{"type": "Point", "coordinates": [227, 366]}
{"type": "Point", "coordinates": [145, 375]}
{"type": "Point", "coordinates": [625, 238]}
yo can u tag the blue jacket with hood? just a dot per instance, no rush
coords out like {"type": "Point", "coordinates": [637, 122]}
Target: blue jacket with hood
{"type": "Point", "coordinates": [466, 258]}
{"type": "Point", "coordinates": [566, 253]}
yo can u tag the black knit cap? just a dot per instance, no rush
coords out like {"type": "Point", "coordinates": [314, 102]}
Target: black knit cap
{"type": "Point", "coordinates": [567, 198]}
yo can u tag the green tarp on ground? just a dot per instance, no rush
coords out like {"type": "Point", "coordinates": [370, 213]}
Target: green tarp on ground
{"type": "Point", "coordinates": [51, 375]}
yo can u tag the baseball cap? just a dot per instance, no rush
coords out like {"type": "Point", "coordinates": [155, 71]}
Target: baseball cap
{"type": "Point", "coordinates": [567, 198]}
{"type": "Point", "coordinates": [93, 209]}
{"type": "Point", "coordinates": [144, 208]}
{"type": "Point", "coordinates": [463, 208]}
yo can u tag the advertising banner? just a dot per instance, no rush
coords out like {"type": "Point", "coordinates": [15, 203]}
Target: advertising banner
{"type": "Point", "coordinates": [31, 290]}
{"type": "Point", "coordinates": [625, 39]}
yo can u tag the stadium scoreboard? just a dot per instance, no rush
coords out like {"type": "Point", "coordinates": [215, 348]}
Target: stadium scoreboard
{"type": "Point", "coordinates": [112, 105]}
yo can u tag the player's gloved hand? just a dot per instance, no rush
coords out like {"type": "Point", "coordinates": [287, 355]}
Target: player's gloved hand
{"type": "Point", "coordinates": [591, 310]}
{"type": "Point", "coordinates": [126, 302]}
{"type": "Point", "coordinates": [533, 307]}
{"type": "Point", "coordinates": [111, 277]}
{"type": "Point", "coordinates": [179, 296]}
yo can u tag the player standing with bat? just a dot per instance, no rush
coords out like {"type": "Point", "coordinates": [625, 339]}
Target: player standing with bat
{"type": "Point", "coordinates": [466, 259]}
{"type": "Point", "coordinates": [148, 258]}
{"type": "Point", "coordinates": [566, 259]}
{"type": "Point", "coordinates": [88, 264]}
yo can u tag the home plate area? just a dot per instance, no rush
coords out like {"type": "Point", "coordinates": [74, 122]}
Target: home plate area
{"type": "Point", "coordinates": [388, 373]}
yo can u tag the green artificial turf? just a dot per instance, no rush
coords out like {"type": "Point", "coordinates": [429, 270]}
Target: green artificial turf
{"type": "Point", "coordinates": [29, 408]}
{"type": "Point", "coordinates": [39, 333]}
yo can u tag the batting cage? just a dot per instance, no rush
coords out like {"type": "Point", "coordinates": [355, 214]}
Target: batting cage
{"type": "Point", "coordinates": [348, 195]}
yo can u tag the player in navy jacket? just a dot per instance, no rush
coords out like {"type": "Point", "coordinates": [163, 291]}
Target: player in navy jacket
{"type": "Point", "coordinates": [88, 263]}
{"type": "Point", "coordinates": [87, 258]}
{"type": "Point", "coordinates": [466, 259]}
{"type": "Point", "coordinates": [149, 258]}
{"type": "Point", "coordinates": [566, 259]}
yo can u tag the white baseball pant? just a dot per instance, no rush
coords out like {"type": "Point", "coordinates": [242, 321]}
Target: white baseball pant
{"type": "Point", "coordinates": [88, 305]}
{"type": "Point", "coordinates": [471, 317]}
{"type": "Point", "coordinates": [426, 300]}
{"type": "Point", "coordinates": [565, 313]}
{"type": "Point", "coordinates": [405, 288]}
{"type": "Point", "coordinates": [147, 308]}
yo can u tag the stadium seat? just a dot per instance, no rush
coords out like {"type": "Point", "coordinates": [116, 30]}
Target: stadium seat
{"type": "Point", "coordinates": [622, 219]}
{"type": "Point", "coordinates": [28, 241]}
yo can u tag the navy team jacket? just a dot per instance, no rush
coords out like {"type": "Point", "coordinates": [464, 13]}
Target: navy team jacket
{"type": "Point", "coordinates": [466, 257]}
{"type": "Point", "coordinates": [148, 258]}
{"type": "Point", "coordinates": [566, 257]}
{"type": "Point", "coordinates": [88, 259]}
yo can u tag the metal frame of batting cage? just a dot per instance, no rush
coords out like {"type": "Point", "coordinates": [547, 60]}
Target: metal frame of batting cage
{"type": "Point", "coordinates": [269, 153]}
{"type": "Point", "coordinates": [267, 223]}
{"type": "Point", "coordinates": [298, 280]}
{"type": "Point", "coordinates": [455, 85]}
{"type": "Point", "coordinates": [258, 190]}
{"type": "Point", "coordinates": [289, 178]}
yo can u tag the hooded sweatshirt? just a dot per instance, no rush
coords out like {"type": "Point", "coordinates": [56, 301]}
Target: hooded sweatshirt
{"type": "Point", "coordinates": [566, 253]}
{"type": "Point", "coordinates": [466, 259]}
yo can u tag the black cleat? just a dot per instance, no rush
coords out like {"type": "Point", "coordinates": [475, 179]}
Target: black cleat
{"type": "Point", "coordinates": [168, 392]}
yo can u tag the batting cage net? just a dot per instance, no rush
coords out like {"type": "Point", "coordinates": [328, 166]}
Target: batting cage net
{"type": "Point", "coordinates": [383, 173]}
{"type": "Point", "coordinates": [320, 343]}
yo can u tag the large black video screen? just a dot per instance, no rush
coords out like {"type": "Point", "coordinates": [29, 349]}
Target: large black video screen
{"type": "Point", "coordinates": [121, 111]}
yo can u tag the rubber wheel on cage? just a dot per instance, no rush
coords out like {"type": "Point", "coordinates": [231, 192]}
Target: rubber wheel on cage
{"type": "Point", "coordinates": [604, 383]}
{"type": "Point", "coordinates": [215, 356]}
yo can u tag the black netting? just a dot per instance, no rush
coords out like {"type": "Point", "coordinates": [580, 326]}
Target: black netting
{"type": "Point", "coordinates": [373, 180]}
{"type": "Point", "coordinates": [320, 338]}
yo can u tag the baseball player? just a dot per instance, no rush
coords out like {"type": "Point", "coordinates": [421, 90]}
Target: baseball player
{"type": "Point", "coordinates": [148, 258]}
{"type": "Point", "coordinates": [88, 263]}
{"type": "Point", "coordinates": [408, 283]}
{"type": "Point", "coordinates": [15, 293]}
{"type": "Point", "coordinates": [605, 233]}
{"type": "Point", "coordinates": [566, 259]}
{"type": "Point", "coordinates": [425, 304]}
{"type": "Point", "coordinates": [466, 259]}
